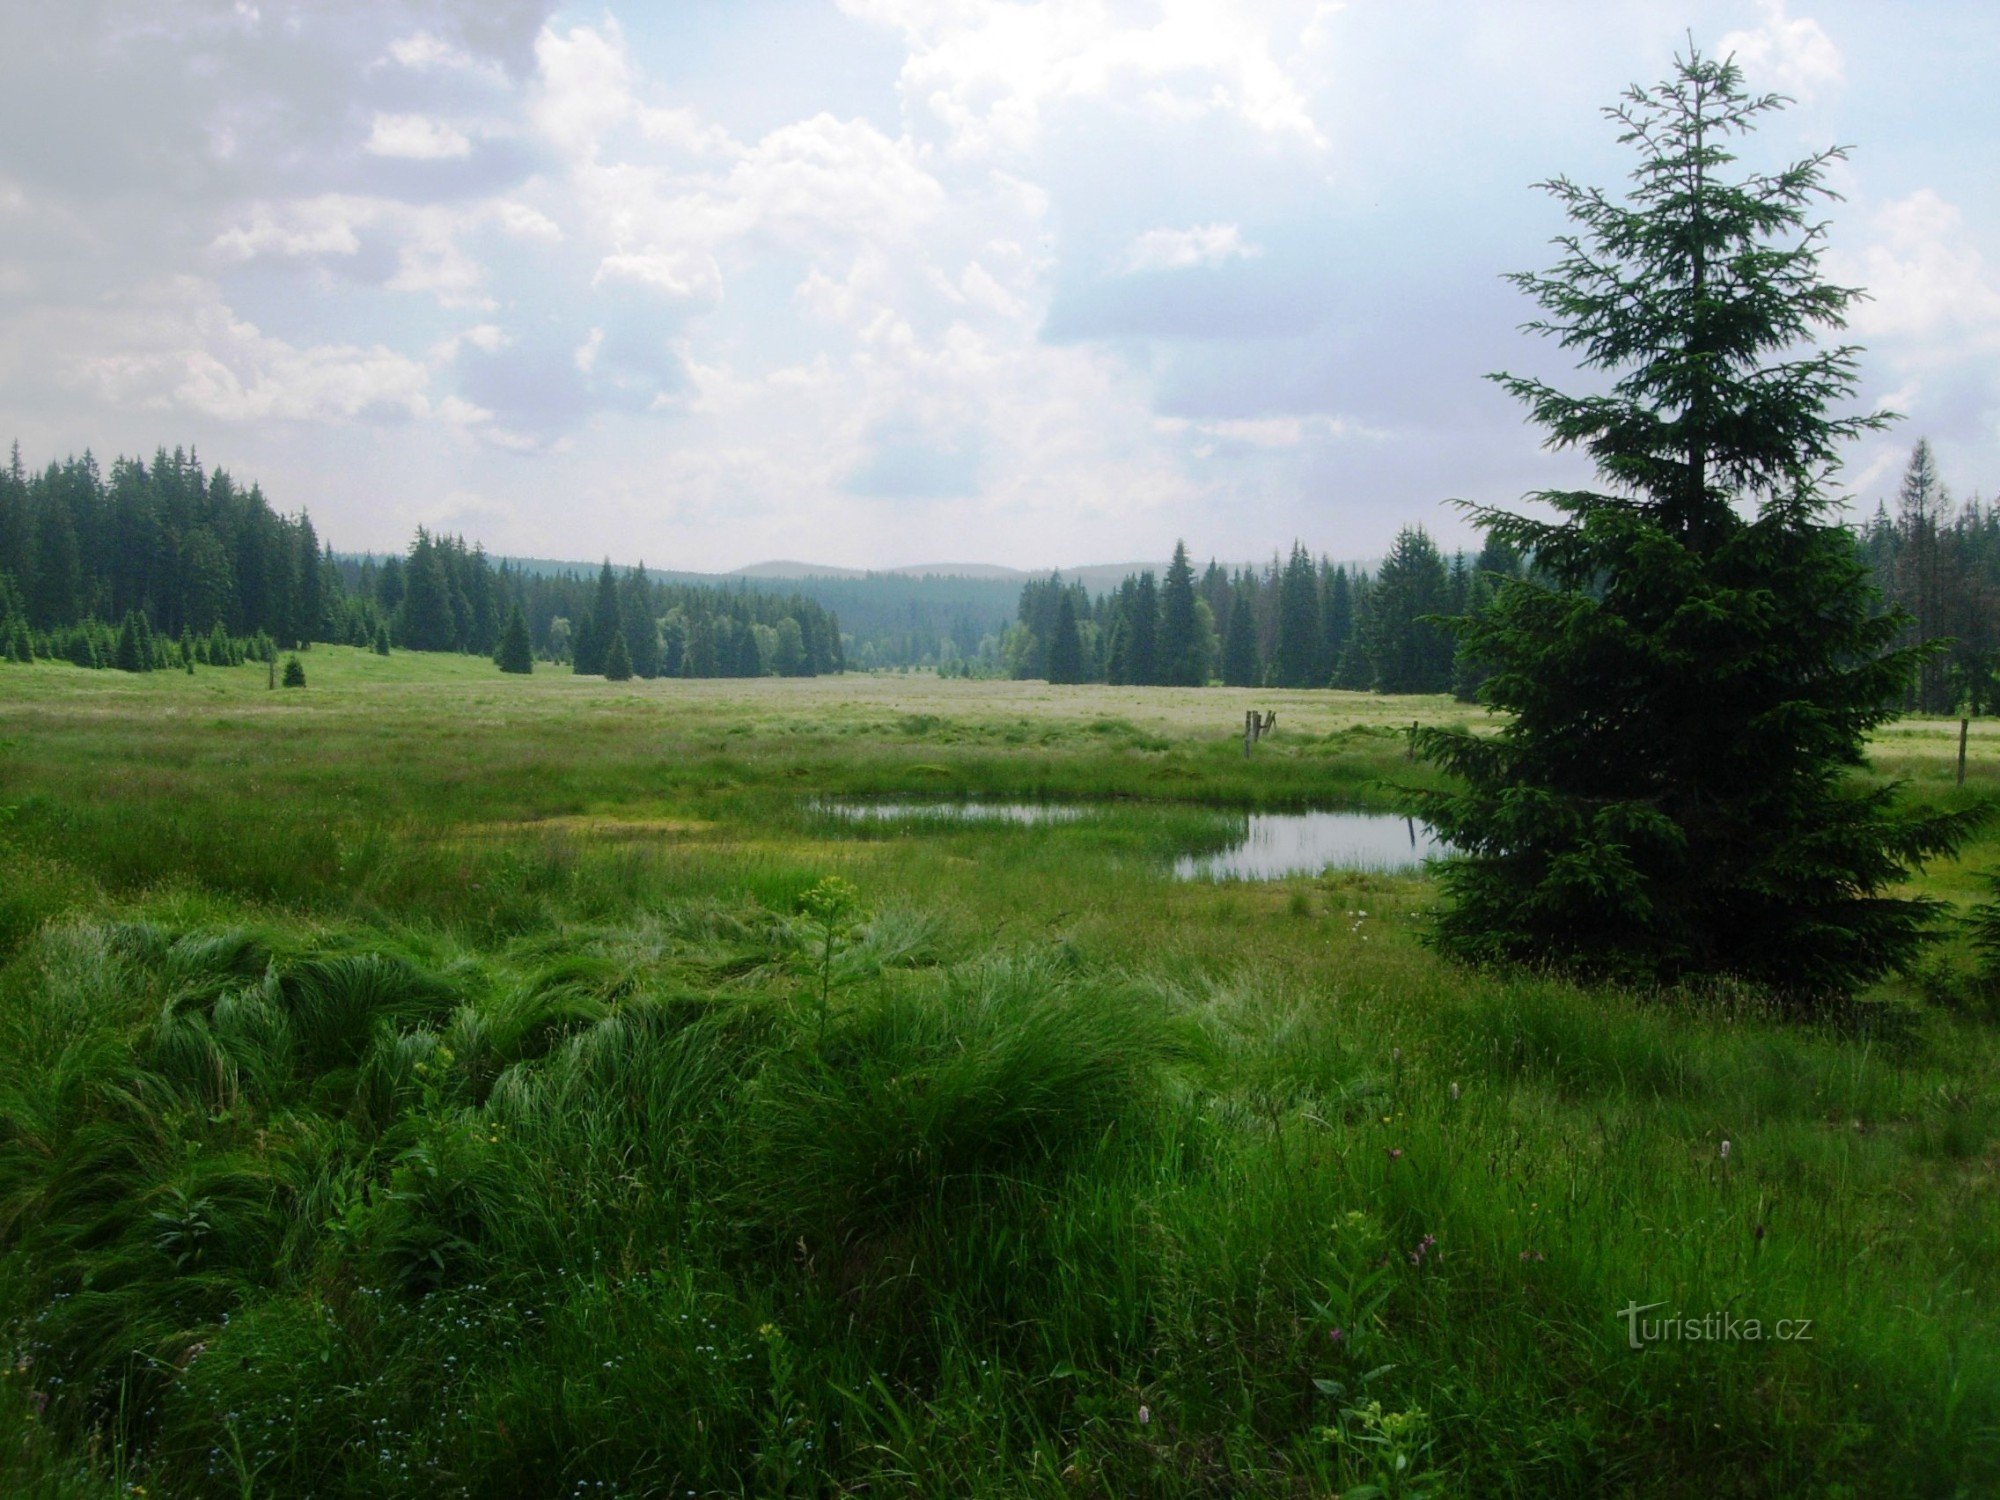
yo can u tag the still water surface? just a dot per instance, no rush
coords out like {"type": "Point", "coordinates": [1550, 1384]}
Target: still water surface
{"type": "Point", "coordinates": [1275, 845]}
{"type": "Point", "coordinates": [1272, 846]}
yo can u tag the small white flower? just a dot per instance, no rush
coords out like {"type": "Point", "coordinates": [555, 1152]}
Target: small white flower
{"type": "Point", "coordinates": [1725, 1150]}
{"type": "Point", "coordinates": [1145, 1415]}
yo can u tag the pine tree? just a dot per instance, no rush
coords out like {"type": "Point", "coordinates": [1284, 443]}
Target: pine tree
{"type": "Point", "coordinates": [295, 672]}
{"type": "Point", "coordinates": [516, 650]}
{"type": "Point", "coordinates": [380, 645]}
{"type": "Point", "coordinates": [1239, 642]}
{"type": "Point", "coordinates": [1183, 654]}
{"type": "Point", "coordinates": [1066, 645]}
{"type": "Point", "coordinates": [1694, 670]}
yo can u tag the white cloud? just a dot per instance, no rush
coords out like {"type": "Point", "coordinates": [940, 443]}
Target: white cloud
{"type": "Point", "coordinates": [1927, 280]}
{"type": "Point", "coordinates": [1180, 249]}
{"type": "Point", "coordinates": [176, 346]}
{"type": "Point", "coordinates": [587, 90]}
{"type": "Point", "coordinates": [323, 225]}
{"type": "Point", "coordinates": [416, 138]}
{"type": "Point", "coordinates": [588, 350]}
{"type": "Point", "coordinates": [524, 221]}
{"type": "Point", "coordinates": [426, 52]}
{"type": "Point", "coordinates": [988, 70]}
{"type": "Point", "coordinates": [1792, 54]}
{"type": "Point", "coordinates": [485, 337]}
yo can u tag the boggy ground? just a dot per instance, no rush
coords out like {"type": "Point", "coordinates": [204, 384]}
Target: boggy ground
{"type": "Point", "coordinates": [429, 1083]}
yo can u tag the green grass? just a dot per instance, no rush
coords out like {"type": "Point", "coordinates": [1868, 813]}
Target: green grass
{"type": "Point", "coordinates": [417, 1085]}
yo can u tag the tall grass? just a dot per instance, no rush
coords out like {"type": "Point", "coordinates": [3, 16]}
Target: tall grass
{"type": "Point", "coordinates": [520, 1159]}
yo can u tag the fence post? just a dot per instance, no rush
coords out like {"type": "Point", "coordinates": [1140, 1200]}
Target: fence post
{"type": "Point", "coordinates": [1964, 727]}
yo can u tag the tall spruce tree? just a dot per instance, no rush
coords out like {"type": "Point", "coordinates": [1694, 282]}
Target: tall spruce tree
{"type": "Point", "coordinates": [1183, 647]}
{"type": "Point", "coordinates": [1296, 661]}
{"type": "Point", "coordinates": [618, 660]}
{"type": "Point", "coordinates": [1239, 642]}
{"type": "Point", "coordinates": [516, 653]}
{"type": "Point", "coordinates": [427, 622]}
{"type": "Point", "coordinates": [1066, 646]}
{"type": "Point", "coordinates": [1923, 511]}
{"type": "Point", "coordinates": [1409, 651]}
{"type": "Point", "coordinates": [1142, 625]}
{"type": "Point", "coordinates": [600, 624]}
{"type": "Point", "coordinates": [1693, 672]}
{"type": "Point", "coordinates": [1336, 616]}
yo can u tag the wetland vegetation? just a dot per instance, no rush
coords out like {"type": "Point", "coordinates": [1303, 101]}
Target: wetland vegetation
{"type": "Point", "coordinates": [432, 1082]}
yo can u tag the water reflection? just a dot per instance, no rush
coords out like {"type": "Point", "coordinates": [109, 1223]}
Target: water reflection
{"type": "Point", "coordinates": [1279, 844]}
{"type": "Point", "coordinates": [953, 812]}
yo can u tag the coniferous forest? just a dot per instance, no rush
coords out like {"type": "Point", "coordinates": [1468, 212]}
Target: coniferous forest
{"type": "Point", "coordinates": [168, 564]}
{"type": "Point", "coordinates": [194, 566]}
{"type": "Point", "coordinates": [1295, 623]}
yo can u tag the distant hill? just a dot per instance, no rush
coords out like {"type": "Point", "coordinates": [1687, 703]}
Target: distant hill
{"type": "Point", "coordinates": [785, 568]}
{"type": "Point", "coordinates": [891, 616]}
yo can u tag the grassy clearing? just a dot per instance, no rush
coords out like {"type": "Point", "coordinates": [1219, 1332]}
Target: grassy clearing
{"type": "Point", "coordinates": [418, 1085]}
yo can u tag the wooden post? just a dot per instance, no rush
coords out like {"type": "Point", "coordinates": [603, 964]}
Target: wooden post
{"type": "Point", "coordinates": [1249, 731]}
{"type": "Point", "coordinates": [274, 671]}
{"type": "Point", "coordinates": [1410, 746]}
{"type": "Point", "coordinates": [1964, 727]}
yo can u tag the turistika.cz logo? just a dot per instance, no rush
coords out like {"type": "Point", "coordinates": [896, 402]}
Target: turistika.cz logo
{"type": "Point", "coordinates": [1709, 1328]}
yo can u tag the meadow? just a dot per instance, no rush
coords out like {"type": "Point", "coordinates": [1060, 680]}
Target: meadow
{"type": "Point", "coordinates": [427, 1082]}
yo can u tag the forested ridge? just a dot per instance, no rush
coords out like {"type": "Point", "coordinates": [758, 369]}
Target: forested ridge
{"type": "Point", "coordinates": [167, 563]}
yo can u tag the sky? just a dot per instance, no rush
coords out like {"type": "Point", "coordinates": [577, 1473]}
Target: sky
{"type": "Point", "coordinates": [883, 282]}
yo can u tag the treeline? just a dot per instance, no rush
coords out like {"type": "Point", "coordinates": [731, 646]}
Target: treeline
{"type": "Point", "coordinates": [1296, 623]}
{"type": "Point", "coordinates": [445, 596]}
{"type": "Point", "coordinates": [181, 547]}
{"type": "Point", "coordinates": [1939, 561]}
{"type": "Point", "coordinates": [165, 564]}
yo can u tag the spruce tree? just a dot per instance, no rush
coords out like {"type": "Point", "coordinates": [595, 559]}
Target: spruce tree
{"type": "Point", "coordinates": [1239, 642]}
{"type": "Point", "coordinates": [618, 660]}
{"type": "Point", "coordinates": [1066, 646]}
{"type": "Point", "coordinates": [380, 644]}
{"type": "Point", "coordinates": [1142, 641]}
{"type": "Point", "coordinates": [1337, 617]}
{"type": "Point", "coordinates": [1408, 649]}
{"type": "Point", "coordinates": [1183, 659]}
{"type": "Point", "coordinates": [131, 654]}
{"type": "Point", "coordinates": [428, 621]}
{"type": "Point", "coordinates": [516, 650]}
{"type": "Point", "coordinates": [1691, 676]}
{"type": "Point", "coordinates": [599, 625]}
{"type": "Point", "coordinates": [1295, 663]}
{"type": "Point", "coordinates": [295, 672]}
